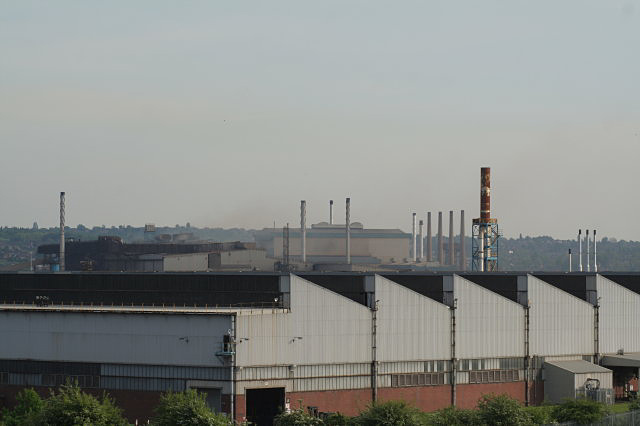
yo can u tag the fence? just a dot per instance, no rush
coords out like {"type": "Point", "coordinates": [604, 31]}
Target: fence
{"type": "Point", "coordinates": [601, 395]}
{"type": "Point", "coordinates": [631, 418]}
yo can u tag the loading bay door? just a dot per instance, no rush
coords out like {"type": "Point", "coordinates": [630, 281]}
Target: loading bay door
{"type": "Point", "coordinates": [263, 405]}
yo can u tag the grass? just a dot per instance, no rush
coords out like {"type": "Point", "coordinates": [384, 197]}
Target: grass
{"type": "Point", "coordinates": [620, 407]}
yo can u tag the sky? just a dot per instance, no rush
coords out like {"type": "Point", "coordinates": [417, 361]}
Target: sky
{"type": "Point", "coordinates": [227, 113]}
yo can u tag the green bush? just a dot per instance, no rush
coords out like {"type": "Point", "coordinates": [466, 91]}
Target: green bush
{"type": "Point", "coordinates": [452, 416]}
{"type": "Point", "coordinates": [187, 408]}
{"type": "Point", "coordinates": [338, 420]}
{"type": "Point", "coordinates": [502, 410]}
{"type": "Point", "coordinates": [390, 413]}
{"type": "Point", "coordinates": [634, 404]}
{"type": "Point", "coordinates": [25, 412]}
{"type": "Point", "coordinates": [297, 418]}
{"type": "Point", "coordinates": [583, 411]}
{"type": "Point", "coordinates": [70, 406]}
{"type": "Point", "coordinates": [539, 415]}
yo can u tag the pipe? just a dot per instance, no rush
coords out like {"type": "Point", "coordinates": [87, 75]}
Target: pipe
{"type": "Point", "coordinates": [586, 240]}
{"type": "Point", "coordinates": [452, 255]}
{"type": "Point", "coordinates": [481, 232]}
{"type": "Point", "coordinates": [330, 212]}
{"type": "Point", "coordinates": [62, 248]}
{"type": "Point", "coordinates": [580, 249]}
{"type": "Point", "coordinates": [421, 241]}
{"type": "Point", "coordinates": [463, 260]}
{"type": "Point", "coordinates": [413, 238]}
{"type": "Point", "coordinates": [303, 229]}
{"type": "Point", "coordinates": [348, 228]}
{"type": "Point", "coordinates": [595, 253]}
{"type": "Point", "coordinates": [429, 238]}
{"type": "Point", "coordinates": [440, 243]}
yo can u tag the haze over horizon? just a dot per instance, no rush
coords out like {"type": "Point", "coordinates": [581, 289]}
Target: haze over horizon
{"type": "Point", "coordinates": [227, 114]}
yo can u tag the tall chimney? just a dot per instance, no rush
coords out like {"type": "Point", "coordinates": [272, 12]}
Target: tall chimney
{"type": "Point", "coordinates": [463, 260]}
{"type": "Point", "coordinates": [452, 255]}
{"type": "Point", "coordinates": [595, 253]}
{"type": "Point", "coordinates": [440, 242]}
{"type": "Point", "coordinates": [303, 229]}
{"type": "Point", "coordinates": [413, 238]}
{"type": "Point", "coordinates": [586, 240]}
{"type": "Point", "coordinates": [330, 212]}
{"type": "Point", "coordinates": [348, 228]}
{"type": "Point", "coordinates": [580, 249]}
{"type": "Point", "coordinates": [485, 194]}
{"type": "Point", "coordinates": [421, 241]}
{"type": "Point", "coordinates": [61, 255]}
{"type": "Point", "coordinates": [569, 260]}
{"type": "Point", "coordinates": [429, 238]}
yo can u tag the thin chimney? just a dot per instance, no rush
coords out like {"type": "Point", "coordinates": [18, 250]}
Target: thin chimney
{"type": "Point", "coordinates": [463, 260]}
{"type": "Point", "coordinates": [413, 238]}
{"type": "Point", "coordinates": [303, 229]}
{"type": "Point", "coordinates": [348, 229]}
{"type": "Point", "coordinates": [421, 241]}
{"type": "Point", "coordinates": [569, 260]}
{"type": "Point", "coordinates": [595, 253]}
{"type": "Point", "coordinates": [429, 238]}
{"type": "Point", "coordinates": [61, 255]}
{"type": "Point", "coordinates": [330, 212]}
{"type": "Point", "coordinates": [452, 256]}
{"type": "Point", "coordinates": [440, 242]}
{"type": "Point", "coordinates": [580, 249]}
{"type": "Point", "coordinates": [586, 239]}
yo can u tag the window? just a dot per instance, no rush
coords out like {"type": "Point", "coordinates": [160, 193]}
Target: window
{"type": "Point", "coordinates": [417, 379]}
{"type": "Point", "coordinates": [494, 376]}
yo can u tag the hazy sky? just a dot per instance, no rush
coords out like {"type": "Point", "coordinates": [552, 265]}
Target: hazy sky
{"type": "Point", "coordinates": [228, 113]}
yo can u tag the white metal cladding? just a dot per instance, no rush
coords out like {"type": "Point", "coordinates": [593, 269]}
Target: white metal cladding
{"type": "Point", "coordinates": [487, 325]}
{"type": "Point", "coordinates": [331, 383]}
{"type": "Point", "coordinates": [159, 339]}
{"type": "Point", "coordinates": [142, 384]}
{"type": "Point", "coordinates": [605, 379]}
{"type": "Point", "coordinates": [619, 317]}
{"type": "Point", "coordinates": [258, 384]}
{"type": "Point", "coordinates": [333, 329]}
{"type": "Point", "coordinates": [410, 325]}
{"type": "Point", "coordinates": [559, 323]}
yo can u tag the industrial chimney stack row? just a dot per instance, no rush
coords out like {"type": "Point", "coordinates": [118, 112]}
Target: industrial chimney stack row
{"type": "Point", "coordinates": [588, 243]}
{"type": "Point", "coordinates": [417, 242]}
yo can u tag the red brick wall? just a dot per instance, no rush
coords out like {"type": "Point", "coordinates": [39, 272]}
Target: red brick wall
{"type": "Point", "coordinates": [426, 398]}
{"type": "Point", "coordinates": [349, 402]}
{"type": "Point", "coordinates": [468, 395]}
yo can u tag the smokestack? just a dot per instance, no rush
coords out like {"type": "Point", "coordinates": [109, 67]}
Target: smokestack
{"type": "Point", "coordinates": [413, 238]}
{"type": "Point", "coordinates": [440, 242]}
{"type": "Point", "coordinates": [595, 253]}
{"type": "Point", "coordinates": [429, 238]}
{"type": "Point", "coordinates": [463, 260]}
{"type": "Point", "coordinates": [580, 249]}
{"type": "Point", "coordinates": [569, 260]}
{"type": "Point", "coordinates": [586, 240]}
{"type": "Point", "coordinates": [303, 229]}
{"type": "Point", "coordinates": [330, 212]}
{"type": "Point", "coordinates": [421, 233]}
{"type": "Point", "coordinates": [348, 226]}
{"type": "Point", "coordinates": [485, 194]}
{"type": "Point", "coordinates": [61, 255]}
{"type": "Point", "coordinates": [452, 255]}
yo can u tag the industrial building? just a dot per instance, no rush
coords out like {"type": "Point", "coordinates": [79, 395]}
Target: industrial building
{"type": "Point", "coordinates": [256, 342]}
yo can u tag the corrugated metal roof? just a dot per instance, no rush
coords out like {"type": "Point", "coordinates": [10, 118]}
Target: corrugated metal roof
{"type": "Point", "coordinates": [626, 360]}
{"type": "Point", "coordinates": [578, 366]}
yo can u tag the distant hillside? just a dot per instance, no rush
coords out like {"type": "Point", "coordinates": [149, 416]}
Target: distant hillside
{"type": "Point", "coordinates": [520, 254]}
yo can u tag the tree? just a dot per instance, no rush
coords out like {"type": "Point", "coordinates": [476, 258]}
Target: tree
{"type": "Point", "coordinates": [187, 408]}
{"type": "Point", "coordinates": [583, 411]}
{"type": "Point", "coordinates": [390, 413]}
{"type": "Point", "coordinates": [501, 410]}
{"type": "Point", "coordinates": [25, 412]}
{"type": "Point", "coordinates": [70, 406]}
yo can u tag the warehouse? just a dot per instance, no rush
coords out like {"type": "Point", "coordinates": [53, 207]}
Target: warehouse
{"type": "Point", "coordinates": [255, 342]}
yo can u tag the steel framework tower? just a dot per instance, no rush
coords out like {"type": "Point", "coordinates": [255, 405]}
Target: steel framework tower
{"type": "Point", "coordinates": [485, 232]}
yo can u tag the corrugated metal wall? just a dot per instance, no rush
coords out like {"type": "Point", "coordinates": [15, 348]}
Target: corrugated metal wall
{"type": "Point", "coordinates": [619, 317]}
{"type": "Point", "coordinates": [488, 325]}
{"type": "Point", "coordinates": [410, 326]}
{"type": "Point", "coordinates": [113, 338]}
{"type": "Point", "coordinates": [559, 323]}
{"type": "Point", "coordinates": [333, 328]}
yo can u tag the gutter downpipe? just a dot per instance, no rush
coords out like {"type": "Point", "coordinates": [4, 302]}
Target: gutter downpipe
{"type": "Point", "coordinates": [454, 362]}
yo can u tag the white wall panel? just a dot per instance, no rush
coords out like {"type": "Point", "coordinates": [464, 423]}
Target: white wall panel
{"type": "Point", "coordinates": [410, 326]}
{"type": "Point", "coordinates": [559, 323]}
{"type": "Point", "coordinates": [334, 329]}
{"type": "Point", "coordinates": [619, 317]}
{"type": "Point", "coordinates": [488, 325]}
{"type": "Point", "coordinates": [113, 338]}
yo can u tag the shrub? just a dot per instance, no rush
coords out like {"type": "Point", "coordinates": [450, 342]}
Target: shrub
{"type": "Point", "coordinates": [71, 406]}
{"type": "Point", "coordinates": [583, 411]}
{"type": "Point", "coordinates": [390, 413]}
{"type": "Point", "coordinates": [539, 415]}
{"type": "Point", "coordinates": [501, 410]}
{"type": "Point", "coordinates": [452, 416]}
{"type": "Point", "coordinates": [338, 419]}
{"type": "Point", "coordinates": [187, 408]}
{"type": "Point", "coordinates": [25, 412]}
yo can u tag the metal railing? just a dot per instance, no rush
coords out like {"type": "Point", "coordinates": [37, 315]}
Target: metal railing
{"type": "Point", "coordinates": [630, 418]}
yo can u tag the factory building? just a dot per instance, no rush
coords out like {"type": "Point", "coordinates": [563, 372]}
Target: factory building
{"type": "Point", "coordinates": [259, 342]}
